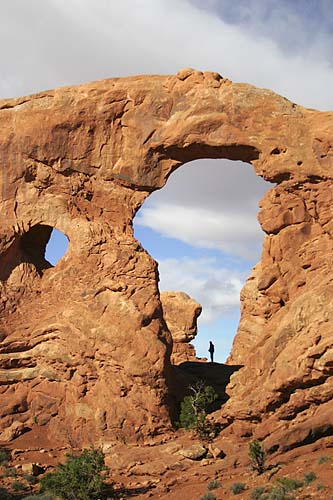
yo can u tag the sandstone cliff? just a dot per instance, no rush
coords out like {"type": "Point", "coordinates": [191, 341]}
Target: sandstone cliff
{"type": "Point", "coordinates": [83, 344]}
{"type": "Point", "coordinates": [180, 313]}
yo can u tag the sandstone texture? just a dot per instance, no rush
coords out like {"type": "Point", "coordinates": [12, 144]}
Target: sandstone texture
{"type": "Point", "coordinates": [84, 349]}
{"type": "Point", "coordinates": [180, 313]}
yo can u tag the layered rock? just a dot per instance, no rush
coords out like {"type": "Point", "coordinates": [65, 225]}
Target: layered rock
{"type": "Point", "coordinates": [85, 353]}
{"type": "Point", "coordinates": [285, 335]}
{"type": "Point", "coordinates": [180, 313]}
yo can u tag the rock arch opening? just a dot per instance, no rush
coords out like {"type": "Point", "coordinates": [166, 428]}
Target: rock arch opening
{"type": "Point", "coordinates": [32, 249]}
{"type": "Point", "coordinates": [56, 246]}
{"type": "Point", "coordinates": [203, 231]}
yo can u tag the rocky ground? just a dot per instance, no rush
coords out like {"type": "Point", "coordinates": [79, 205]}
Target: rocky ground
{"type": "Point", "coordinates": [177, 466]}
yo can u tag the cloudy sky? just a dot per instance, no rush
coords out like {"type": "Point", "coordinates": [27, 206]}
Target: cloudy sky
{"type": "Point", "coordinates": [202, 226]}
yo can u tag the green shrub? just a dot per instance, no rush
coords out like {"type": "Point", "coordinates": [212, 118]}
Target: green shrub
{"type": "Point", "coordinates": [40, 496]}
{"type": "Point", "coordinates": [208, 496]}
{"type": "Point", "coordinates": [320, 486]}
{"type": "Point", "coordinates": [30, 478]}
{"type": "Point", "coordinates": [279, 493]}
{"type": "Point", "coordinates": [283, 487]}
{"type": "Point", "coordinates": [213, 485]}
{"type": "Point", "coordinates": [309, 477]}
{"type": "Point", "coordinates": [4, 494]}
{"type": "Point", "coordinates": [289, 484]}
{"type": "Point", "coordinates": [323, 459]}
{"type": "Point", "coordinates": [4, 456]}
{"type": "Point", "coordinates": [193, 410]}
{"type": "Point", "coordinates": [259, 493]}
{"type": "Point", "coordinates": [19, 486]}
{"type": "Point", "coordinates": [10, 472]}
{"type": "Point", "coordinates": [257, 456]}
{"type": "Point", "coordinates": [79, 478]}
{"type": "Point", "coordinates": [237, 488]}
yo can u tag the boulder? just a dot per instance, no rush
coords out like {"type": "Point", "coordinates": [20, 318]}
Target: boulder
{"type": "Point", "coordinates": [180, 313]}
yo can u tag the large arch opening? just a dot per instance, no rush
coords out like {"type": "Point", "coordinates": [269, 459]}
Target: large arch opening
{"type": "Point", "coordinates": [203, 231]}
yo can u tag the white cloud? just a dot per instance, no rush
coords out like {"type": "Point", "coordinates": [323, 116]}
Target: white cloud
{"type": "Point", "coordinates": [232, 233]}
{"type": "Point", "coordinates": [216, 288]}
{"type": "Point", "coordinates": [209, 204]}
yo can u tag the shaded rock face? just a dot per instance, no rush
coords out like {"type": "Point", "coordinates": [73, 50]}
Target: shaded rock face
{"type": "Point", "coordinates": [85, 353]}
{"type": "Point", "coordinates": [180, 313]}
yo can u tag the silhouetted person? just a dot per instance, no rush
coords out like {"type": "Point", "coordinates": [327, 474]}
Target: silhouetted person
{"type": "Point", "coordinates": [211, 351]}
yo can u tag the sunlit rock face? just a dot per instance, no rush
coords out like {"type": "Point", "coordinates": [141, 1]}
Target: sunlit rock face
{"type": "Point", "coordinates": [180, 313]}
{"type": "Point", "coordinates": [85, 352]}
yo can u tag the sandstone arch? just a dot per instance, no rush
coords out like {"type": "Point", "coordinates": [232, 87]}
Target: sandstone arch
{"type": "Point", "coordinates": [84, 159]}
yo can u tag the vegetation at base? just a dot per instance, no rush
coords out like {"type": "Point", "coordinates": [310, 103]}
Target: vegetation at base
{"type": "Point", "coordinates": [10, 472]}
{"type": "Point", "coordinates": [323, 459]}
{"type": "Point", "coordinates": [30, 478]}
{"type": "Point", "coordinates": [237, 488]}
{"type": "Point", "coordinates": [194, 408]}
{"type": "Point", "coordinates": [213, 485]}
{"type": "Point", "coordinates": [259, 493]}
{"type": "Point", "coordinates": [284, 488]}
{"type": "Point", "coordinates": [208, 496]}
{"type": "Point", "coordinates": [19, 486]}
{"type": "Point", "coordinates": [257, 456]}
{"type": "Point", "coordinates": [4, 494]}
{"type": "Point", "coordinates": [4, 456]}
{"type": "Point", "coordinates": [80, 478]}
{"type": "Point", "coordinates": [309, 477]}
{"type": "Point", "coordinates": [284, 485]}
{"type": "Point", "coordinates": [40, 496]}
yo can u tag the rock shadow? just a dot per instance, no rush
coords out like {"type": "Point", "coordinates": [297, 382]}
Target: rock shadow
{"type": "Point", "coordinates": [216, 375]}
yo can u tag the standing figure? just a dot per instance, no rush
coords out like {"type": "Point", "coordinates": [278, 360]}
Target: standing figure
{"type": "Point", "coordinates": [211, 351]}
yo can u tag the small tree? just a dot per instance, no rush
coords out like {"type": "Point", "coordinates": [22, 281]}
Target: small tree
{"type": "Point", "coordinates": [79, 478]}
{"type": "Point", "coordinates": [257, 456]}
{"type": "Point", "coordinates": [193, 409]}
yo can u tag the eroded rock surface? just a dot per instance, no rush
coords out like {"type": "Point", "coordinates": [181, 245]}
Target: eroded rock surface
{"type": "Point", "coordinates": [180, 313]}
{"type": "Point", "coordinates": [84, 349]}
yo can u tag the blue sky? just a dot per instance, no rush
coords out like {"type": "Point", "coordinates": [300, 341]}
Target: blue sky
{"type": "Point", "coordinates": [202, 226]}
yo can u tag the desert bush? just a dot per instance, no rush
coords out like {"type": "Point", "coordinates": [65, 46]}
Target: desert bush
{"type": "Point", "coordinates": [323, 459]}
{"type": "Point", "coordinates": [79, 478]}
{"type": "Point", "coordinates": [237, 488]}
{"type": "Point", "coordinates": [289, 484]}
{"type": "Point", "coordinates": [283, 487]}
{"type": "Point", "coordinates": [18, 486]}
{"type": "Point", "coordinates": [40, 496]}
{"type": "Point", "coordinates": [4, 494]}
{"type": "Point", "coordinates": [279, 493]}
{"type": "Point", "coordinates": [213, 485]}
{"type": "Point", "coordinates": [10, 472]}
{"type": "Point", "coordinates": [193, 410]}
{"type": "Point", "coordinates": [30, 478]}
{"type": "Point", "coordinates": [257, 456]}
{"type": "Point", "coordinates": [309, 477]}
{"type": "Point", "coordinates": [259, 493]}
{"type": "Point", "coordinates": [208, 496]}
{"type": "Point", "coordinates": [4, 456]}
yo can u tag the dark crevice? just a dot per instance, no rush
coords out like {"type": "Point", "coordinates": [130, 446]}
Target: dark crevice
{"type": "Point", "coordinates": [286, 392]}
{"type": "Point", "coordinates": [240, 152]}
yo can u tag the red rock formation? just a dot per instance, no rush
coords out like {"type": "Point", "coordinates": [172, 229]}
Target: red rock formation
{"type": "Point", "coordinates": [180, 313]}
{"type": "Point", "coordinates": [83, 344]}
